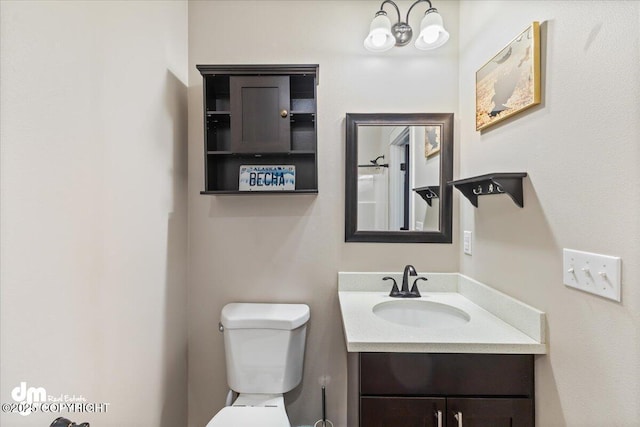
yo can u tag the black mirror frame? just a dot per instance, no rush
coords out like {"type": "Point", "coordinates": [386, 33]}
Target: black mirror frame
{"type": "Point", "coordinates": [353, 120]}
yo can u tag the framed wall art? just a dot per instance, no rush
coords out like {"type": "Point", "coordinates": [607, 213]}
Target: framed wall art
{"type": "Point", "coordinates": [510, 82]}
{"type": "Point", "coordinates": [432, 140]}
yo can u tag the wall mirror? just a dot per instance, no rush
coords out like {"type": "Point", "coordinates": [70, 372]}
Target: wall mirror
{"type": "Point", "coordinates": [397, 169]}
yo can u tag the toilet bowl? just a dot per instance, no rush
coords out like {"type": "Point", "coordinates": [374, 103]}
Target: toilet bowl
{"type": "Point", "coordinates": [264, 351]}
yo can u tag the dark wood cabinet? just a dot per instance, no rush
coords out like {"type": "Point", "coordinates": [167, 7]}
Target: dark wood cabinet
{"type": "Point", "coordinates": [259, 115]}
{"type": "Point", "coordinates": [262, 104]}
{"type": "Point", "coordinates": [402, 411]}
{"type": "Point", "coordinates": [490, 412]}
{"type": "Point", "coordinates": [446, 390]}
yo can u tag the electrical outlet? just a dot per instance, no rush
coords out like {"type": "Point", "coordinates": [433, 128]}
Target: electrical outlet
{"type": "Point", "coordinates": [467, 242]}
{"type": "Point", "coordinates": [419, 225]}
{"type": "Point", "coordinates": [594, 273]}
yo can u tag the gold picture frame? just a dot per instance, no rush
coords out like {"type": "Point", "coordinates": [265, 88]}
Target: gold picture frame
{"type": "Point", "coordinates": [432, 140]}
{"type": "Point", "coordinates": [510, 81]}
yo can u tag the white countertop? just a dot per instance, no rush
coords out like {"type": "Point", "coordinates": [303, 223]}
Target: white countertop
{"type": "Point", "coordinates": [497, 324]}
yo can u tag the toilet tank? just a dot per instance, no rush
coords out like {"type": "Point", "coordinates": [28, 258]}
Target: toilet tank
{"type": "Point", "coordinates": [264, 346]}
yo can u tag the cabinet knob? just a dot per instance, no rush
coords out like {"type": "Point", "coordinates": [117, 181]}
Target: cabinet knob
{"type": "Point", "coordinates": [284, 113]}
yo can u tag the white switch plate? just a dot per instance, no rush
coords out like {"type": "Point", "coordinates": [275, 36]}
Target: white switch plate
{"type": "Point", "coordinates": [467, 242]}
{"type": "Point", "coordinates": [598, 274]}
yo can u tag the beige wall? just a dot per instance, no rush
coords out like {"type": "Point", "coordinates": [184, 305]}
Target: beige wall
{"type": "Point", "coordinates": [93, 207]}
{"type": "Point", "coordinates": [290, 247]}
{"type": "Point", "coordinates": [581, 151]}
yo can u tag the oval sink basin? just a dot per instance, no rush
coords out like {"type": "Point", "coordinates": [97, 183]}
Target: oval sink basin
{"type": "Point", "coordinates": [421, 314]}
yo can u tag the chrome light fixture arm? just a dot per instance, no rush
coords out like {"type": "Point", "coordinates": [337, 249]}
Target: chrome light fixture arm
{"type": "Point", "coordinates": [415, 3]}
{"type": "Point", "coordinates": [401, 30]}
{"type": "Point", "coordinates": [392, 4]}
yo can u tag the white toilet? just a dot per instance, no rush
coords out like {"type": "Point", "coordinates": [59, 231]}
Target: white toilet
{"type": "Point", "coordinates": [264, 348]}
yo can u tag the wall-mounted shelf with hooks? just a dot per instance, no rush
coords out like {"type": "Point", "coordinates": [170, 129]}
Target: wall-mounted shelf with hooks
{"type": "Point", "coordinates": [492, 183]}
{"type": "Point", "coordinates": [428, 193]}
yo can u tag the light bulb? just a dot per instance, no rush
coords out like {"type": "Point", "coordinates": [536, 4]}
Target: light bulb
{"type": "Point", "coordinates": [378, 39]}
{"type": "Point", "coordinates": [431, 34]}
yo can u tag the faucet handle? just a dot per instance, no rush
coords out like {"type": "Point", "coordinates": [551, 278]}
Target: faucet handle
{"type": "Point", "coordinates": [414, 288]}
{"type": "Point", "coordinates": [394, 290]}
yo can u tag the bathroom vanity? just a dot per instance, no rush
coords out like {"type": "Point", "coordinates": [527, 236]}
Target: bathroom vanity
{"type": "Point", "coordinates": [446, 389]}
{"type": "Point", "coordinates": [460, 355]}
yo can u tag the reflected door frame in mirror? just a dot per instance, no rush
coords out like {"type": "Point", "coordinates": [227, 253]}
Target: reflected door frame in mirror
{"type": "Point", "coordinates": [353, 120]}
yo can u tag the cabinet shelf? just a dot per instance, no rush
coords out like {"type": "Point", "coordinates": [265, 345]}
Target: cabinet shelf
{"type": "Point", "coordinates": [237, 192]}
{"type": "Point", "coordinates": [302, 117]}
{"type": "Point", "coordinates": [258, 155]}
{"type": "Point", "coordinates": [493, 183]}
{"type": "Point", "coordinates": [310, 115]}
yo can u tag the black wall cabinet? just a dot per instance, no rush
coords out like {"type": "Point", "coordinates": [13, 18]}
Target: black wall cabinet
{"type": "Point", "coordinates": [259, 115]}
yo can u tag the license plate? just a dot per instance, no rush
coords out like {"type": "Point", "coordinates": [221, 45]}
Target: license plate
{"type": "Point", "coordinates": [267, 178]}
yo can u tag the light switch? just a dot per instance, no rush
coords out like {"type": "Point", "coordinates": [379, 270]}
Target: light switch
{"type": "Point", "coordinates": [594, 273]}
{"type": "Point", "coordinates": [467, 242]}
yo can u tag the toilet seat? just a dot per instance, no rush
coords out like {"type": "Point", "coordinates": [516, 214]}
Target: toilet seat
{"type": "Point", "coordinates": [253, 410]}
{"type": "Point", "coordinates": [250, 416]}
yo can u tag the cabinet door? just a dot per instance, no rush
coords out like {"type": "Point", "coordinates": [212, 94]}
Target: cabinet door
{"type": "Point", "coordinates": [401, 412]}
{"type": "Point", "coordinates": [258, 104]}
{"type": "Point", "coordinates": [469, 412]}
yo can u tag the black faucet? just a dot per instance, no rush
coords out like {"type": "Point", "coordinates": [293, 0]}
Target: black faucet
{"type": "Point", "coordinates": [409, 270]}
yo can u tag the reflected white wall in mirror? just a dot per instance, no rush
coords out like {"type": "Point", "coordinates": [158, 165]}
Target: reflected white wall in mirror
{"type": "Point", "coordinates": [392, 162]}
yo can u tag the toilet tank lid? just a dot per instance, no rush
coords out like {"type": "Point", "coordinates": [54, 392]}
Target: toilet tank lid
{"type": "Point", "coordinates": [264, 316]}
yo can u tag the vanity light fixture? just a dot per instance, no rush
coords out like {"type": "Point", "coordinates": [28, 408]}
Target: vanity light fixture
{"type": "Point", "coordinates": [383, 36]}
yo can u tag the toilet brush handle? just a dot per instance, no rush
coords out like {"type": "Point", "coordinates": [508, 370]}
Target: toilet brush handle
{"type": "Point", "coordinates": [324, 405]}
{"type": "Point", "coordinates": [324, 422]}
